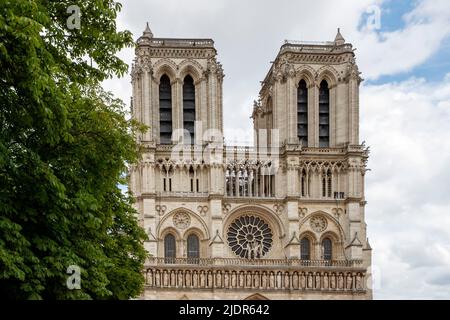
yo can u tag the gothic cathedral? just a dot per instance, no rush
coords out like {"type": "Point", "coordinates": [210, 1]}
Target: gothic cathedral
{"type": "Point", "coordinates": [283, 219]}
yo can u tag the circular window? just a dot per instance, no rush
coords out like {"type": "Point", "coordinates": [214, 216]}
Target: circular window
{"type": "Point", "coordinates": [249, 237]}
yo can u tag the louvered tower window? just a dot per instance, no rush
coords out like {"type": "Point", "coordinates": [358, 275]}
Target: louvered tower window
{"type": "Point", "coordinates": [189, 107]}
{"type": "Point", "coordinates": [303, 183]}
{"type": "Point", "coordinates": [302, 113]}
{"type": "Point", "coordinates": [329, 183]}
{"type": "Point", "coordinates": [165, 110]}
{"type": "Point", "coordinates": [324, 115]}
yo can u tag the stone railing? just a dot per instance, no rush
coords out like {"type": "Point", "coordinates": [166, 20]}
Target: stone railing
{"type": "Point", "coordinates": [181, 42]}
{"type": "Point", "coordinates": [182, 194]}
{"type": "Point", "coordinates": [310, 43]}
{"type": "Point", "coordinates": [314, 46]}
{"type": "Point", "coordinates": [151, 261]}
{"type": "Point", "coordinates": [324, 150]}
{"type": "Point", "coordinates": [257, 277]}
{"type": "Point", "coordinates": [251, 196]}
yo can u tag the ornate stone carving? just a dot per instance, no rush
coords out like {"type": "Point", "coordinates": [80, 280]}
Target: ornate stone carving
{"type": "Point", "coordinates": [283, 70]}
{"type": "Point", "coordinates": [202, 210]}
{"type": "Point", "coordinates": [353, 72]}
{"type": "Point", "coordinates": [318, 223]}
{"type": "Point", "coordinates": [337, 212]}
{"type": "Point", "coordinates": [215, 67]}
{"type": "Point", "coordinates": [161, 209]}
{"type": "Point", "coordinates": [302, 212]}
{"type": "Point", "coordinates": [278, 207]}
{"type": "Point", "coordinates": [226, 207]}
{"type": "Point", "coordinates": [181, 220]}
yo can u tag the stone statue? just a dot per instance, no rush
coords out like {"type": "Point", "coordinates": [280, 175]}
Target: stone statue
{"type": "Point", "coordinates": [165, 279]}
{"type": "Point", "coordinates": [287, 284]}
{"type": "Point", "coordinates": [195, 279]}
{"type": "Point", "coordinates": [317, 281]}
{"type": "Point", "coordinates": [341, 281]}
{"type": "Point", "coordinates": [226, 280]}
{"type": "Point", "coordinates": [187, 278]}
{"type": "Point", "coordinates": [303, 281]}
{"type": "Point", "coordinates": [209, 278]}
{"type": "Point", "coordinates": [249, 279]}
{"type": "Point", "coordinates": [264, 280]}
{"type": "Point", "coordinates": [256, 280]}
{"type": "Point", "coordinates": [325, 281]}
{"type": "Point", "coordinates": [202, 279]}
{"type": "Point", "coordinates": [272, 280]}
{"type": "Point", "coordinates": [295, 281]}
{"type": "Point", "coordinates": [218, 280]}
{"type": "Point", "coordinates": [279, 278]}
{"type": "Point", "coordinates": [358, 282]}
{"type": "Point", "coordinates": [333, 281]}
{"type": "Point", "coordinates": [349, 281]}
{"type": "Point", "coordinates": [157, 279]}
{"type": "Point", "coordinates": [241, 279]}
{"type": "Point", "coordinates": [310, 280]}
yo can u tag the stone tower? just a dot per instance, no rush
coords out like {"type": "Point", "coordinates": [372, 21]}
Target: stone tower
{"type": "Point", "coordinates": [281, 220]}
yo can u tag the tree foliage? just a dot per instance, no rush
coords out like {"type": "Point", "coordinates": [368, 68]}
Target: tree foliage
{"type": "Point", "coordinates": [64, 147]}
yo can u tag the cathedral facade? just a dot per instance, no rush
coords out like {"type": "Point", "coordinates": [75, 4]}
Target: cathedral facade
{"type": "Point", "coordinates": [283, 219]}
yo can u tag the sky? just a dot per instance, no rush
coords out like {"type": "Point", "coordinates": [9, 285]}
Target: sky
{"type": "Point", "coordinates": [403, 51]}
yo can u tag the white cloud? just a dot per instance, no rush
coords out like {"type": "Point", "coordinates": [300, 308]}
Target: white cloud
{"type": "Point", "coordinates": [406, 125]}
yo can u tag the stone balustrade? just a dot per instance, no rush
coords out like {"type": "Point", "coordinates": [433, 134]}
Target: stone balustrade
{"type": "Point", "coordinates": [154, 261]}
{"type": "Point", "coordinates": [182, 194]}
{"type": "Point", "coordinates": [172, 42]}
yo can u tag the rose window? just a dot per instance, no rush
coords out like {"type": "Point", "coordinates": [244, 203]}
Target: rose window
{"type": "Point", "coordinates": [249, 237]}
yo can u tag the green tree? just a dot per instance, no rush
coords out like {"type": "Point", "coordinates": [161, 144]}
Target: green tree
{"type": "Point", "coordinates": [64, 148]}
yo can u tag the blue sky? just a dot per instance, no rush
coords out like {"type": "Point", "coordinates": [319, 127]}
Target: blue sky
{"type": "Point", "coordinates": [404, 108]}
{"type": "Point", "coordinates": [392, 18]}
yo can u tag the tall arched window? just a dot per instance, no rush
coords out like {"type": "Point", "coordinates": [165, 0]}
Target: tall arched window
{"type": "Point", "coordinates": [305, 249]}
{"type": "Point", "coordinates": [193, 249]}
{"type": "Point", "coordinates": [189, 107]}
{"type": "Point", "coordinates": [165, 110]}
{"type": "Point", "coordinates": [269, 121]}
{"type": "Point", "coordinates": [329, 184]}
{"type": "Point", "coordinates": [302, 113]}
{"type": "Point", "coordinates": [324, 186]}
{"type": "Point", "coordinates": [169, 248]}
{"type": "Point", "coordinates": [324, 115]}
{"type": "Point", "coordinates": [303, 183]}
{"type": "Point", "coordinates": [327, 249]}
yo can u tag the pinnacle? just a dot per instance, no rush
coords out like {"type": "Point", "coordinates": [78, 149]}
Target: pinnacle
{"type": "Point", "coordinates": [339, 40]}
{"type": "Point", "coordinates": [147, 32]}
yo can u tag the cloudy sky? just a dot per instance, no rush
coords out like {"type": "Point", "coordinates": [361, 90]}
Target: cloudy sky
{"type": "Point", "coordinates": [405, 108]}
